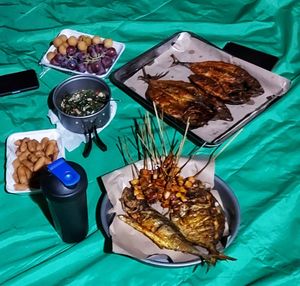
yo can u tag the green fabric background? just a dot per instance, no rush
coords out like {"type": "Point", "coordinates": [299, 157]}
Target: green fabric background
{"type": "Point", "coordinates": [262, 165]}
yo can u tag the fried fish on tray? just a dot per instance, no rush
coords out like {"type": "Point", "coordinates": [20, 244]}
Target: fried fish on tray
{"type": "Point", "coordinates": [200, 218]}
{"type": "Point", "coordinates": [154, 225]}
{"type": "Point", "coordinates": [185, 101]}
{"type": "Point", "coordinates": [226, 81]}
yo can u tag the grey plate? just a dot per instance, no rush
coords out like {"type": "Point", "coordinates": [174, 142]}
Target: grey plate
{"type": "Point", "coordinates": [232, 212]}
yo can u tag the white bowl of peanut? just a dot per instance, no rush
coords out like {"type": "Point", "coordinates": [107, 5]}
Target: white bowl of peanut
{"type": "Point", "coordinates": [26, 154]}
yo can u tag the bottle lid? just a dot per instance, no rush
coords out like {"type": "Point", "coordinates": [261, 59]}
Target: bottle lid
{"type": "Point", "coordinates": [64, 172]}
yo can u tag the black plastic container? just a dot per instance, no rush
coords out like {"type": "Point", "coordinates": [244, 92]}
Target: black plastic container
{"type": "Point", "coordinates": [64, 185]}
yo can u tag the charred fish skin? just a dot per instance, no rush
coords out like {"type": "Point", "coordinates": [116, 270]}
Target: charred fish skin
{"type": "Point", "coordinates": [200, 219]}
{"type": "Point", "coordinates": [229, 82]}
{"type": "Point", "coordinates": [180, 100]}
{"type": "Point", "coordinates": [198, 96]}
{"type": "Point", "coordinates": [155, 226]}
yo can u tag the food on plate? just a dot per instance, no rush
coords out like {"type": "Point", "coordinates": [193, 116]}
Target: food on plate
{"type": "Point", "coordinates": [83, 54]}
{"type": "Point", "coordinates": [225, 81]}
{"type": "Point", "coordinates": [192, 209]}
{"type": "Point", "coordinates": [32, 155]}
{"type": "Point", "coordinates": [175, 212]}
{"type": "Point", "coordinates": [83, 102]}
{"type": "Point", "coordinates": [50, 55]}
{"type": "Point", "coordinates": [184, 101]}
{"type": "Point", "coordinates": [199, 217]}
{"type": "Point", "coordinates": [154, 225]}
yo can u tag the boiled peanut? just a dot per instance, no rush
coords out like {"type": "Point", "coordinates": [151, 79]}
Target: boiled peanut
{"type": "Point", "coordinates": [21, 187]}
{"type": "Point", "coordinates": [39, 154]}
{"type": "Point", "coordinates": [32, 145]}
{"type": "Point", "coordinates": [39, 146]}
{"type": "Point", "coordinates": [18, 142]}
{"type": "Point", "coordinates": [50, 149]}
{"type": "Point", "coordinates": [32, 157]}
{"type": "Point", "coordinates": [23, 146]}
{"type": "Point", "coordinates": [15, 177]}
{"type": "Point", "coordinates": [47, 161]}
{"type": "Point", "coordinates": [16, 163]}
{"type": "Point", "coordinates": [39, 164]}
{"type": "Point", "coordinates": [44, 142]}
{"type": "Point", "coordinates": [28, 173]}
{"type": "Point", "coordinates": [28, 164]}
{"type": "Point", "coordinates": [22, 175]}
{"type": "Point", "coordinates": [24, 155]}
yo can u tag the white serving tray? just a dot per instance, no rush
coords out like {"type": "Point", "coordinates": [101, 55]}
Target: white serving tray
{"type": "Point", "coordinates": [120, 47]}
{"type": "Point", "coordinates": [11, 156]}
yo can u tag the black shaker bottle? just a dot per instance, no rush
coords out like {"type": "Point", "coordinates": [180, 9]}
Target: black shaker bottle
{"type": "Point", "coordinates": [64, 185]}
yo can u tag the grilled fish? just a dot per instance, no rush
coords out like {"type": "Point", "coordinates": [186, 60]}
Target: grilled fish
{"type": "Point", "coordinates": [155, 226]}
{"type": "Point", "coordinates": [226, 81]}
{"type": "Point", "coordinates": [200, 219]}
{"type": "Point", "coordinates": [185, 102]}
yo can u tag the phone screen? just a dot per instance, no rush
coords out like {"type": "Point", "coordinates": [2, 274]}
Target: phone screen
{"type": "Point", "coordinates": [18, 82]}
{"type": "Point", "coordinates": [253, 56]}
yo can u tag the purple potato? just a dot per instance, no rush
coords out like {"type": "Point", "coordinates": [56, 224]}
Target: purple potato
{"type": "Point", "coordinates": [89, 68]}
{"type": "Point", "coordinates": [72, 64]}
{"type": "Point", "coordinates": [99, 48]}
{"type": "Point", "coordinates": [71, 50]}
{"type": "Point", "coordinates": [107, 62]}
{"type": "Point", "coordinates": [97, 66]}
{"type": "Point", "coordinates": [81, 67]}
{"type": "Point", "coordinates": [111, 52]}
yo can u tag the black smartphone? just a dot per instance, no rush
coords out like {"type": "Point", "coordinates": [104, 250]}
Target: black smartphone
{"type": "Point", "coordinates": [256, 57]}
{"type": "Point", "coordinates": [18, 82]}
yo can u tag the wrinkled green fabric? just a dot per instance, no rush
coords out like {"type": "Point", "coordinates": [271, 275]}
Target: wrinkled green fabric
{"type": "Point", "coordinates": [262, 165]}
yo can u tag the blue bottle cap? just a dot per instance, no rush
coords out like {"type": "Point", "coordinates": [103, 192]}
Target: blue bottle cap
{"type": "Point", "coordinates": [64, 172]}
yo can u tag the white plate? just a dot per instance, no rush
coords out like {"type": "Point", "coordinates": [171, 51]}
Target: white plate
{"type": "Point", "coordinates": [11, 156]}
{"type": "Point", "coordinates": [120, 47]}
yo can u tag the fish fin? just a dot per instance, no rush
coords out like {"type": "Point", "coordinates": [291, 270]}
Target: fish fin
{"type": "Point", "coordinates": [221, 256]}
{"type": "Point", "coordinates": [161, 241]}
{"type": "Point", "coordinates": [155, 238]}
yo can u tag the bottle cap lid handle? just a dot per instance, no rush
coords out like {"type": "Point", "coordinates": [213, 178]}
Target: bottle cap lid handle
{"type": "Point", "coordinates": [64, 172]}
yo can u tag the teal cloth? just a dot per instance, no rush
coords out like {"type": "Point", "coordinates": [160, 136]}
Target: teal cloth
{"type": "Point", "coordinates": [262, 165]}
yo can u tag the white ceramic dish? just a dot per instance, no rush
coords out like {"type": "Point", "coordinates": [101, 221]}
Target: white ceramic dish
{"type": "Point", "coordinates": [120, 47]}
{"type": "Point", "coordinates": [11, 156]}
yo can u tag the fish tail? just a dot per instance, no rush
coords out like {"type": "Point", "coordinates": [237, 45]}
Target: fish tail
{"type": "Point", "coordinates": [221, 256]}
{"type": "Point", "coordinates": [178, 62]}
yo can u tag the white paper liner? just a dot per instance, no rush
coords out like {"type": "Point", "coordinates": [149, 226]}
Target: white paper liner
{"type": "Point", "coordinates": [72, 140]}
{"type": "Point", "coordinates": [190, 49]}
{"type": "Point", "coordinates": [120, 47]}
{"type": "Point", "coordinates": [11, 154]}
{"type": "Point", "coordinates": [125, 239]}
